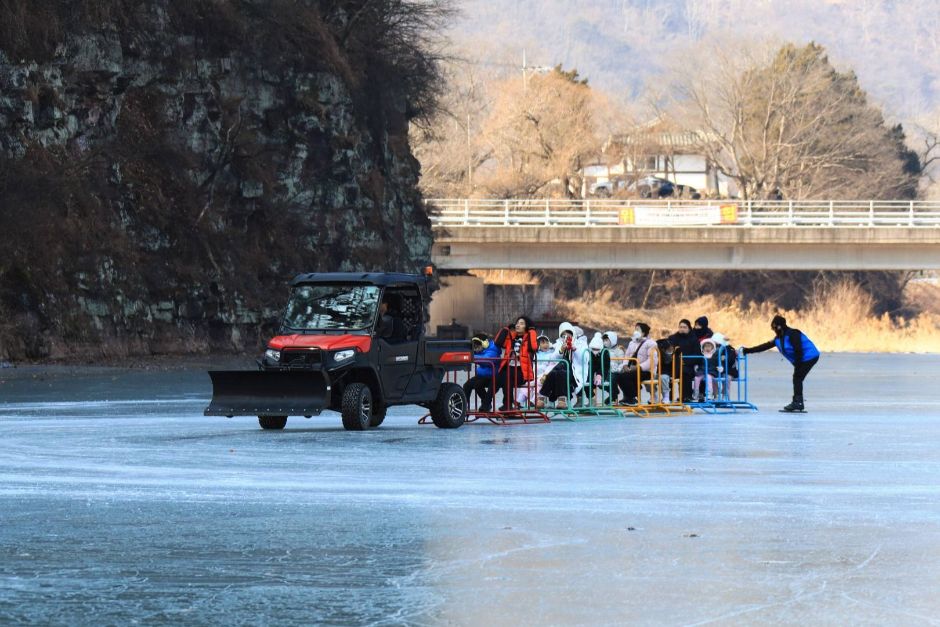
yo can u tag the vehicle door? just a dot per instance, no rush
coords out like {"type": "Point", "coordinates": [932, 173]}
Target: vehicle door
{"type": "Point", "coordinates": [398, 353]}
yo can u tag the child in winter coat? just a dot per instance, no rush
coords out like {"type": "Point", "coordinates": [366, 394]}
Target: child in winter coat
{"type": "Point", "coordinates": [545, 362]}
{"type": "Point", "coordinates": [486, 356]}
{"type": "Point", "coordinates": [666, 356]}
{"type": "Point", "coordinates": [566, 376]}
{"type": "Point", "coordinates": [617, 352]}
{"type": "Point", "coordinates": [600, 365]}
{"type": "Point", "coordinates": [727, 357]}
{"type": "Point", "coordinates": [706, 370]}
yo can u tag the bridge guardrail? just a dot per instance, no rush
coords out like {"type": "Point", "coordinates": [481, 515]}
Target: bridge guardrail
{"type": "Point", "coordinates": [747, 213]}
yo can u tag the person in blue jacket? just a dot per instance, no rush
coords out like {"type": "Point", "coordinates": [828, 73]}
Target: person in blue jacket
{"type": "Point", "coordinates": [799, 351]}
{"type": "Point", "coordinates": [486, 354]}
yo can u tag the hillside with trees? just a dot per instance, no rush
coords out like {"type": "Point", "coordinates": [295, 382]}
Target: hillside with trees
{"type": "Point", "coordinates": [783, 120]}
{"type": "Point", "coordinates": [625, 44]}
{"type": "Point", "coordinates": [167, 167]}
{"type": "Point", "coordinates": [630, 49]}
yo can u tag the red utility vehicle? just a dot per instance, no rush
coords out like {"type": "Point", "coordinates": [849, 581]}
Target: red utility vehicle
{"type": "Point", "coordinates": [353, 343]}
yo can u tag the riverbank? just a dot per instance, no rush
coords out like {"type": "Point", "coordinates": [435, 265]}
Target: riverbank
{"type": "Point", "coordinates": [840, 319]}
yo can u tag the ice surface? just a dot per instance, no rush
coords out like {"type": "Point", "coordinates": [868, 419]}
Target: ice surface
{"type": "Point", "coordinates": [120, 502]}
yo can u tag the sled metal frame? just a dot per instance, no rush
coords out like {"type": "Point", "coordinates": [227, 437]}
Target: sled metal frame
{"type": "Point", "coordinates": [656, 408]}
{"type": "Point", "coordinates": [722, 402]}
{"type": "Point", "coordinates": [587, 407]}
{"type": "Point", "coordinates": [515, 415]}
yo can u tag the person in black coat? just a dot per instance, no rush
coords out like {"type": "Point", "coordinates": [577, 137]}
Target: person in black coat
{"type": "Point", "coordinates": [687, 345]}
{"type": "Point", "coordinates": [701, 329]}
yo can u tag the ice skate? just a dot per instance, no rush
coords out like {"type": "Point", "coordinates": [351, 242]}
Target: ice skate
{"type": "Point", "coordinates": [795, 407]}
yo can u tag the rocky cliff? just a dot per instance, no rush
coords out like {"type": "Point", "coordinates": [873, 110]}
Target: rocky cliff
{"type": "Point", "coordinates": [166, 167]}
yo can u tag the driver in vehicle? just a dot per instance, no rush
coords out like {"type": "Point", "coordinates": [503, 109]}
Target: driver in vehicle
{"type": "Point", "coordinates": [390, 326]}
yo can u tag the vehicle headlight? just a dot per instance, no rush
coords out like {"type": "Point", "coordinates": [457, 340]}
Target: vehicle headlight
{"type": "Point", "coordinates": [272, 354]}
{"type": "Point", "coordinates": [343, 355]}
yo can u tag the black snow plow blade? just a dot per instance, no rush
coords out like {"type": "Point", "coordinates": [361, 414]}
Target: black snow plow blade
{"type": "Point", "coordinates": [271, 393]}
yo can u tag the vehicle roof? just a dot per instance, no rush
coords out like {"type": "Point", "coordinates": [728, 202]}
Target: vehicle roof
{"type": "Point", "coordinates": [371, 278]}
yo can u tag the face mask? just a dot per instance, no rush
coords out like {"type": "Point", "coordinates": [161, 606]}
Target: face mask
{"type": "Point", "coordinates": [637, 334]}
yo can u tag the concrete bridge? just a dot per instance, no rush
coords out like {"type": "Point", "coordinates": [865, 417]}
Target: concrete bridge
{"type": "Point", "coordinates": [719, 235]}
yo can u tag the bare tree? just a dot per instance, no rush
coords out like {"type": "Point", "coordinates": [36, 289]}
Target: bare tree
{"type": "Point", "coordinates": [927, 141]}
{"type": "Point", "coordinates": [452, 148]}
{"type": "Point", "coordinates": [541, 131]}
{"type": "Point", "coordinates": [787, 121]}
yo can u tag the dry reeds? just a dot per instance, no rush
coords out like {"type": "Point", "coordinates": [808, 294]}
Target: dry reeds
{"type": "Point", "coordinates": [838, 319]}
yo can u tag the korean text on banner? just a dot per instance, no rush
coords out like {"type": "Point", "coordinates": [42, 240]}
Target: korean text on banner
{"type": "Point", "coordinates": [729, 214]}
{"type": "Point", "coordinates": [681, 215]}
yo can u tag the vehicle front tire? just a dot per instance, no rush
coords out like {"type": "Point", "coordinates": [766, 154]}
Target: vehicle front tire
{"type": "Point", "coordinates": [357, 407]}
{"type": "Point", "coordinates": [272, 422]}
{"type": "Point", "coordinates": [449, 410]}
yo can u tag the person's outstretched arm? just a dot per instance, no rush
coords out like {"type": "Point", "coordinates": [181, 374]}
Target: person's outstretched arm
{"type": "Point", "coordinates": [760, 348]}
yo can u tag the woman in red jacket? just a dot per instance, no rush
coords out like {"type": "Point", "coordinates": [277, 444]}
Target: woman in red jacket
{"type": "Point", "coordinates": [519, 347]}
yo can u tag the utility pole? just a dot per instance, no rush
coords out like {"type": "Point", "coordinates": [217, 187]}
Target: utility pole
{"type": "Point", "coordinates": [525, 78]}
{"type": "Point", "coordinates": [469, 160]}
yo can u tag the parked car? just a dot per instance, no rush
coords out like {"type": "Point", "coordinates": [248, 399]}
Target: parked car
{"type": "Point", "coordinates": [687, 191]}
{"type": "Point", "coordinates": [603, 189]}
{"type": "Point", "coordinates": [652, 187]}
{"type": "Point", "coordinates": [646, 187]}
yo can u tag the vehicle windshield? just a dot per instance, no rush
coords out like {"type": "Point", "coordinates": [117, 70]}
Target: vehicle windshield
{"type": "Point", "coordinates": [332, 307]}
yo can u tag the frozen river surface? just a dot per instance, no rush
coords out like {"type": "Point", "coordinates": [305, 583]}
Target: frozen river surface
{"type": "Point", "coordinates": [120, 503]}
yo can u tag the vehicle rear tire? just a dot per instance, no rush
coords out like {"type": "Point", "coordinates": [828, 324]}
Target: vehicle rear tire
{"type": "Point", "coordinates": [449, 409]}
{"type": "Point", "coordinates": [357, 407]}
{"type": "Point", "coordinates": [378, 414]}
{"type": "Point", "coordinates": [272, 422]}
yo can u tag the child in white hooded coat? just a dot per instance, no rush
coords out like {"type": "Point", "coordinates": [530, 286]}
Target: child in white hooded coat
{"type": "Point", "coordinates": [567, 376]}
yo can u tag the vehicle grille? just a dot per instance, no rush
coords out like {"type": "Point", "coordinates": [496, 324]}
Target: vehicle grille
{"type": "Point", "coordinates": [301, 359]}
